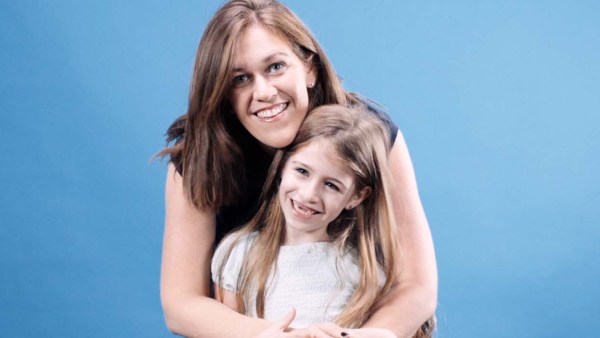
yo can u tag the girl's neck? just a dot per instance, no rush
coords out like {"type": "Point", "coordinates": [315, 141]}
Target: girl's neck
{"type": "Point", "coordinates": [298, 238]}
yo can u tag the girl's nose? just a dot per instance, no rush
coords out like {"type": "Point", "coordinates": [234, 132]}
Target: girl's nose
{"type": "Point", "coordinates": [310, 192]}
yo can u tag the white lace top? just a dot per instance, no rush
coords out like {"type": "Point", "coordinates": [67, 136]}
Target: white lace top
{"type": "Point", "coordinates": [307, 278]}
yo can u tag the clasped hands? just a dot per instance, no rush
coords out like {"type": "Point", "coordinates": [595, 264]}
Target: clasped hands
{"type": "Point", "coordinates": [281, 329]}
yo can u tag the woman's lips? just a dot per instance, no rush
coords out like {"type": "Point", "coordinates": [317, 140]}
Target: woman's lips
{"type": "Point", "coordinates": [272, 111]}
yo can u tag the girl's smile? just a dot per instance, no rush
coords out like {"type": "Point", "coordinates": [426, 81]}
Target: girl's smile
{"type": "Point", "coordinates": [315, 188]}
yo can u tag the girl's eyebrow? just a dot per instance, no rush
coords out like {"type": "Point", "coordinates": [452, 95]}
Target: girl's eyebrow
{"type": "Point", "coordinates": [336, 181]}
{"type": "Point", "coordinates": [296, 162]}
{"type": "Point", "coordinates": [265, 60]}
{"type": "Point", "coordinates": [328, 178]}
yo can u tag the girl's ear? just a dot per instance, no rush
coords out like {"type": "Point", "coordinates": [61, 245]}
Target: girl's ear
{"type": "Point", "coordinates": [358, 198]}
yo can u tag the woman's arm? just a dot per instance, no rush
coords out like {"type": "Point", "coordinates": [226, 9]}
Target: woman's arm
{"type": "Point", "coordinates": [414, 298]}
{"type": "Point", "coordinates": [185, 275]}
{"type": "Point", "coordinates": [226, 297]}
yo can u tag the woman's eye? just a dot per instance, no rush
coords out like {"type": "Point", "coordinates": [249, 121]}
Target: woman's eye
{"type": "Point", "coordinates": [240, 80]}
{"type": "Point", "coordinates": [276, 67]}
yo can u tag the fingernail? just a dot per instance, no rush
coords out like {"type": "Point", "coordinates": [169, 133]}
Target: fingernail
{"type": "Point", "coordinates": [344, 334]}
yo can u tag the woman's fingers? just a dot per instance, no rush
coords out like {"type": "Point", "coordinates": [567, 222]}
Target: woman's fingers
{"type": "Point", "coordinates": [321, 330]}
{"type": "Point", "coordinates": [287, 319]}
{"type": "Point", "coordinates": [279, 328]}
{"type": "Point", "coordinates": [369, 333]}
{"type": "Point", "coordinates": [331, 329]}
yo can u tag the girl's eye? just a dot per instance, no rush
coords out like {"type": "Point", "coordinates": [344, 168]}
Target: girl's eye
{"type": "Point", "coordinates": [302, 171]}
{"type": "Point", "coordinates": [332, 186]}
{"type": "Point", "coordinates": [276, 67]}
{"type": "Point", "coordinates": [240, 80]}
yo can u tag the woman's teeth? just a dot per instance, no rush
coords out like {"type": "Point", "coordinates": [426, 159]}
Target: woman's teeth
{"type": "Point", "coordinates": [271, 112]}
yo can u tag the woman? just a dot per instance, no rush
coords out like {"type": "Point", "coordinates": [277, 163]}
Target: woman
{"type": "Point", "coordinates": [258, 71]}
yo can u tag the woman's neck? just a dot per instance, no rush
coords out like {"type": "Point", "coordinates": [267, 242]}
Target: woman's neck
{"type": "Point", "coordinates": [270, 151]}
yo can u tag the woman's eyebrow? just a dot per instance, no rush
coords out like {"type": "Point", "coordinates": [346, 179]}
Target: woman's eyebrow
{"type": "Point", "coordinates": [267, 59]}
{"type": "Point", "coordinates": [274, 55]}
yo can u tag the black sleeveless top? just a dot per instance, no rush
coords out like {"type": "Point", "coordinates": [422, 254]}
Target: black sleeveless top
{"type": "Point", "coordinates": [257, 163]}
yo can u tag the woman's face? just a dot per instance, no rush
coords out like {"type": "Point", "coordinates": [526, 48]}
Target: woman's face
{"type": "Point", "coordinates": [269, 87]}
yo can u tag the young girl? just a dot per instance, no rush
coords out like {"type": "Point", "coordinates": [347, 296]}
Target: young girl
{"type": "Point", "coordinates": [258, 71]}
{"type": "Point", "coordinates": [324, 239]}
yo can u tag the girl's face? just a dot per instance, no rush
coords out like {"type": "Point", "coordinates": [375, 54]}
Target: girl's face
{"type": "Point", "coordinates": [315, 187]}
{"type": "Point", "coordinates": [269, 87]}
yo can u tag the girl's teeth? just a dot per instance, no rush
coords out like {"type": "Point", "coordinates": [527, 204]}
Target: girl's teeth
{"type": "Point", "coordinates": [271, 112]}
{"type": "Point", "coordinates": [303, 210]}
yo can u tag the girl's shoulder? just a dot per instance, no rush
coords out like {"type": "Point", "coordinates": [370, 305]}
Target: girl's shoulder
{"type": "Point", "coordinates": [228, 258]}
{"type": "Point", "coordinates": [237, 242]}
{"type": "Point", "coordinates": [350, 261]}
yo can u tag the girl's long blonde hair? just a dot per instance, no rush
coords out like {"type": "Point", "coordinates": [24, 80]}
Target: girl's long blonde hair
{"type": "Point", "coordinates": [362, 143]}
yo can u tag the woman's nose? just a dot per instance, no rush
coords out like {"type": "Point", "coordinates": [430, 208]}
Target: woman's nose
{"type": "Point", "coordinates": [264, 89]}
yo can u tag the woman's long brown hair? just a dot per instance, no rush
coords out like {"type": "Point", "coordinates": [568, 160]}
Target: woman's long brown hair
{"type": "Point", "coordinates": [208, 137]}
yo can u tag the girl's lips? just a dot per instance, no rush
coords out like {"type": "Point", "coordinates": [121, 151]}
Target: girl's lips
{"type": "Point", "coordinates": [271, 112]}
{"type": "Point", "coordinates": [301, 210]}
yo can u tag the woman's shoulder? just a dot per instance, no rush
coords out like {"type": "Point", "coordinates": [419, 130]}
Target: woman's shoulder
{"type": "Point", "coordinates": [378, 110]}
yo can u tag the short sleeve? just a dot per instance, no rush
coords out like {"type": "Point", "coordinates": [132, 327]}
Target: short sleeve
{"type": "Point", "coordinates": [387, 121]}
{"type": "Point", "coordinates": [378, 110]}
{"type": "Point", "coordinates": [231, 268]}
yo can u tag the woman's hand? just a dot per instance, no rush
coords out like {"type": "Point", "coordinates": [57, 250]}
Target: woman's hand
{"type": "Point", "coordinates": [281, 329]}
{"type": "Point", "coordinates": [369, 333]}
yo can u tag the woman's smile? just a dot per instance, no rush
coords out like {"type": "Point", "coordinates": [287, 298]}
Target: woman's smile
{"type": "Point", "coordinates": [269, 87]}
{"type": "Point", "coordinates": [271, 112]}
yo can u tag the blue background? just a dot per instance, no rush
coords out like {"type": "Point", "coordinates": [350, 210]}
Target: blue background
{"type": "Point", "coordinates": [499, 102]}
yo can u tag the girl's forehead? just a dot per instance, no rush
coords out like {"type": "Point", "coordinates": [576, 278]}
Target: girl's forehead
{"type": "Point", "coordinates": [321, 148]}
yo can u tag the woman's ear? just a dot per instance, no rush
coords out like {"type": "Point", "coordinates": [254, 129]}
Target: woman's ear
{"type": "Point", "coordinates": [358, 197]}
{"type": "Point", "coordinates": [311, 75]}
